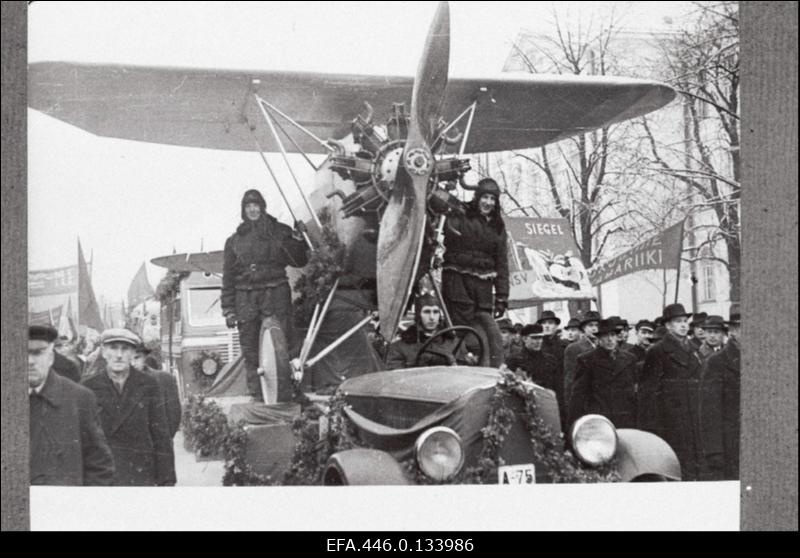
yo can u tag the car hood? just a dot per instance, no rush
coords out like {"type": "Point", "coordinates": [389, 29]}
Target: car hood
{"type": "Point", "coordinates": [434, 384]}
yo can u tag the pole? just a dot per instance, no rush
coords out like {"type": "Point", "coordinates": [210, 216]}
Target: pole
{"type": "Point", "coordinates": [678, 271]}
{"type": "Point", "coordinates": [342, 339]}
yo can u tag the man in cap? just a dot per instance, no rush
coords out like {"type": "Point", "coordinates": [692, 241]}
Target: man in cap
{"type": "Point", "coordinates": [475, 269]}
{"type": "Point", "coordinates": [605, 381]}
{"type": "Point", "coordinates": [644, 338]}
{"type": "Point", "coordinates": [715, 330]}
{"type": "Point", "coordinates": [132, 415]}
{"type": "Point", "coordinates": [552, 336]}
{"type": "Point", "coordinates": [668, 391]}
{"type": "Point", "coordinates": [572, 331]}
{"type": "Point", "coordinates": [167, 387]}
{"type": "Point", "coordinates": [538, 365]}
{"type": "Point", "coordinates": [428, 320]}
{"type": "Point", "coordinates": [589, 325]}
{"type": "Point", "coordinates": [67, 444]}
{"type": "Point", "coordinates": [719, 406]}
{"type": "Point", "coordinates": [696, 331]}
{"type": "Point", "coordinates": [255, 285]}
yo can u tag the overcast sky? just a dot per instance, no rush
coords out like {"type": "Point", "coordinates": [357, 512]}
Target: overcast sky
{"type": "Point", "coordinates": [130, 202]}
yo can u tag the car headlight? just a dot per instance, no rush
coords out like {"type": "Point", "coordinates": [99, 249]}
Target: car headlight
{"type": "Point", "coordinates": [209, 367]}
{"type": "Point", "coordinates": [439, 452]}
{"type": "Point", "coordinates": [594, 439]}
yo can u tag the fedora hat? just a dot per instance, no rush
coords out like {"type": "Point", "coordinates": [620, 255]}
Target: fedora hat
{"type": "Point", "coordinates": [590, 316]}
{"type": "Point", "coordinates": [606, 327]}
{"type": "Point", "coordinates": [549, 315]}
{"type": "Point", "coordinates": [735, 314]}
{"type": "Point", "coordinates": [573, 323]}
{"type": "Point", "coordinates": [715, 322]}
{"type": "Point", "coordinates": [505, 325]}
{"type": "Point", "coordinates": [535, 330]}
{"type": "Point", "coordinates": [698, 319]}
{"type": "Point", "coordinates": [673, 311]}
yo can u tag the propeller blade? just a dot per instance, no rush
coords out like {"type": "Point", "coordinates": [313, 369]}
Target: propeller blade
{"type": "Point", "coordinates": [399, 246]}
{"type": "Point", "coordinates": [430, 83]}
{"type": "Point", "coordinates": [401, 230]}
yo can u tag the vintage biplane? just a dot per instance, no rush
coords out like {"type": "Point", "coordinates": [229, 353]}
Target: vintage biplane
{"type": "Point", "coordinates": [393, 146]}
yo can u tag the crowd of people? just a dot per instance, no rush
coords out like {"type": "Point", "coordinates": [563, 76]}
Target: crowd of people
{"type": "Point", "coordinates": [676, 376]}
{"type": "Point", "coordinates": [105, 415]}
{"type": "Point", "coordinates": [111, 424]}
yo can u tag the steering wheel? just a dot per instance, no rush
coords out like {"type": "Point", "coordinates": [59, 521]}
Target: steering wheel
{"type": "Point", "coordinates": [426, 347]}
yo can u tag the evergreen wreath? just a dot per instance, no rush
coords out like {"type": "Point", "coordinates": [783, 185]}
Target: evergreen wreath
{"type": "Point", "coordinates": [325, 265]}
{"type": "Point", "coordinates": [205, 426]}
{"type": "Point", "coordinates": [170, 285]}
{"type": "Point", "coordinates": [548, 447]}
{"type": "Point", "coordinates": [204, 380]}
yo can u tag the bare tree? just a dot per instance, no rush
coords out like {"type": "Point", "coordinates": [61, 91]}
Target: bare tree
{"type": "Point", "coordinates": [702, 63]}
{"type": "Point", "coordinates": [584, 177]}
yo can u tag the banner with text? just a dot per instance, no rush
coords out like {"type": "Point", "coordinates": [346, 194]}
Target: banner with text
{"type": "Point", "coordinates": [662, 251]}
{"type": "Point", "coordinates": [59, 280]}
{"type": "Point", "coordinates": [544, 262]}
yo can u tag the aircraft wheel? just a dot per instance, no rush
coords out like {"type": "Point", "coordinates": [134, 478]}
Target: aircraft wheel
{"type": "Point", "coordinates": [273, 358]}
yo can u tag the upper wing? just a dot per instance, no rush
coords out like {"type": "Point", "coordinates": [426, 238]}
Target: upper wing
{"type": "Point", "coordinates": [210, 262]}
{"type": "Point", "coordinates": [215, 109]}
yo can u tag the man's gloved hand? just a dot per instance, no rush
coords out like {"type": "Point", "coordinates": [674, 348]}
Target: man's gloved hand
{"type": "Point", "coordinates": [230, 321]}
{"type": "Point", "coordinates": [300, 227]}
{"type": "Point", "coordinates": [500, 306]}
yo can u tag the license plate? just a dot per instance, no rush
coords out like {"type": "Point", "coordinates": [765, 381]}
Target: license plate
{"type": "Point", "coordinates": [516, 474]}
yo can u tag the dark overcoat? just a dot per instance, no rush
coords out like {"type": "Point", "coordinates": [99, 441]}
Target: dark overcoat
{"type": "Point", "coordinates": [542, 368]}
{"type": "Point", "coordinates": [571, 353]}
{"type": "Point", "coordinates": [135, 426]}
{"type": "Point", "coordinates": [65, 367]}
{"type": "Point", "coordinates": [719, 413]}
{"type": "Point", "coordinates": [605, 386]}
{"type": "Point", "coordinates": [68, 446]}
{"type": "Point", "coordinates": [669, 400]}
{"type": "Point", "coordinates": [170, 398]}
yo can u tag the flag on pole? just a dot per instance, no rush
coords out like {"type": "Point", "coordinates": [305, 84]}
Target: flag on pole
{"type": "Point", "coordinates": [662, 251]}
{"type": "Point", "coordinates": [140, 288]}
{"type": "Point", "coordinates": [88, 310]}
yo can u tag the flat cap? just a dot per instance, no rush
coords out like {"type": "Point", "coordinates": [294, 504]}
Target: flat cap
{"type": "Point", "coordinates": [120, 335]}
{"type": "Point", "coordinates": [42, 333]}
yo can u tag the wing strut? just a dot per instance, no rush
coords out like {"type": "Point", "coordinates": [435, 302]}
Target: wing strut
{"type": "Point", "coordinates": [268, 118]}
{"type": "Point", "coordinates": [278, 185]}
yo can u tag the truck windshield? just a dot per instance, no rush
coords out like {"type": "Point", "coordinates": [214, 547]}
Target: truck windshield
{"type": "Point", "coordinates": [203, 307]}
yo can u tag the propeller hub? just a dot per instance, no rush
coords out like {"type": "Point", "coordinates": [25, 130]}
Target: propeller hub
{"type": "Point", "coordinates": [418, 161]}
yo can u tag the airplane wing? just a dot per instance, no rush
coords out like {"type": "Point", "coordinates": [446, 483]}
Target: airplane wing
{"type": "Point", "coordinates": [210, 262]}
{"type": "Point", "coordinates": [215, 109]}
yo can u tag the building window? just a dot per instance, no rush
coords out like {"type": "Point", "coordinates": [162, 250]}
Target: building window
{"type": "Point", "coordinates": [707, 276]}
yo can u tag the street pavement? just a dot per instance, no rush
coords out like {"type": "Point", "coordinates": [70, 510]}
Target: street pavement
{"type": "Point", "coordinates": [190, 472]}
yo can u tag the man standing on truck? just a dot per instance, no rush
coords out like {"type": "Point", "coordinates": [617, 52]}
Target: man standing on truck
{"type": "Point", "coordinates": [255, 285]}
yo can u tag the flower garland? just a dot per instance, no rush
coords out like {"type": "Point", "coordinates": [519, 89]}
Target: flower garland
{"type": "Point", "coordinates": [204, 380]}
